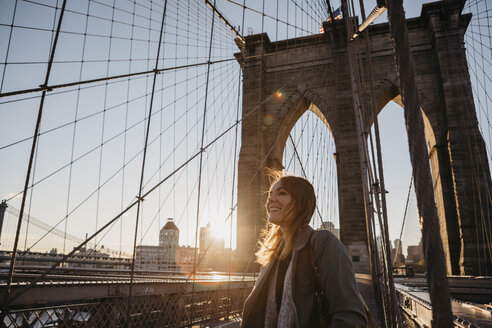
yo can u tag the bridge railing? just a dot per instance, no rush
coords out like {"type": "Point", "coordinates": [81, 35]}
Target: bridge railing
{"type": "Point", "coordinates": [179, 304]}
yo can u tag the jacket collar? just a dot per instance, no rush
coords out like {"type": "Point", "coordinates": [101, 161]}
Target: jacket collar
{"type": "Point", "coordinates": [302, 237]}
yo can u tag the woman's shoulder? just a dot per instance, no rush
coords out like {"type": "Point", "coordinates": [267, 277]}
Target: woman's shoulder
{"type": "Point", "coordinates": [322, 240]}
{"type": "Point", "coordinates": [324, 236]}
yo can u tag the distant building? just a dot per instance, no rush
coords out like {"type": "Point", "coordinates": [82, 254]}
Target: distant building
{"type": "Point", "coordinates": [162, 257]}
{"type": "Point", "coordinates": [415, 254]}
{"type": "Point", "coordinates": [327, 225]}
{"type": "Point", "coordinates": [213, 256]}
{"type": "Point", "coordinates": [397, 253]}
{"type": "Point", "coordinates": [185, 257]}
{"type": "Point", "coordinates": [91, 258]}
{"type": "Point", "coordinates": [169, 256]}
{"type": "Point", "coordinates": [169, 243]}
{"type": "Point", "coordinates": [209, 241]}
{"type": "Point", "coordinates": [148, 257]}
{"type": "Point", "coordinates": [169, 235]}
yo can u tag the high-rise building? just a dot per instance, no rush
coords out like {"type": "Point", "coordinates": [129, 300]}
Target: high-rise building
{"type": "Point", "coordinates": [209, 241]}
{"type": "Point", "coordinates": [415, 254]}
{"type": "Point", "coordinates": [397, 253]}
{"type": "Point", "coordinates": [213, 256]}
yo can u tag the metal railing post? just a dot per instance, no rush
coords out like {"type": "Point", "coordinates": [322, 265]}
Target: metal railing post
{"type": "Point", "coordinates": [3, 208]}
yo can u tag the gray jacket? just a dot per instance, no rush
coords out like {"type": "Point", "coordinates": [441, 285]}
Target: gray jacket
{"type": "Point", "coordinates": [337, 280]}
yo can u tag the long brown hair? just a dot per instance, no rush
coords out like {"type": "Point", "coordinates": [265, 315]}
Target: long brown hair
{"type": "Point", "coordinates": [299, 213]}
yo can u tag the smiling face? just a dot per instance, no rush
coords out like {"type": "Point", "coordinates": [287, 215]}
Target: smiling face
{"type": "Point", "coordinates": [278, 204]}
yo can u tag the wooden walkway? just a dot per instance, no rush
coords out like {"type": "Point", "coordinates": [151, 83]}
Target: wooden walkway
{"type": "Point", "coordinates": [364, 282]}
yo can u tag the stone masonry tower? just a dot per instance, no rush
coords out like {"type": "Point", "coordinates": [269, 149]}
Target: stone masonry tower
{"type": "Point", "coordinates": [284, 79]}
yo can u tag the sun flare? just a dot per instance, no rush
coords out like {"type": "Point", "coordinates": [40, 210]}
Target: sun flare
{"type": "Point", "coordinates": [217, 231]}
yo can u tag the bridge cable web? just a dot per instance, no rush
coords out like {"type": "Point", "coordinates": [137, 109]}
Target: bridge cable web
{"type": "Point", "coordinates": [33, 150]}
{"type": "Point", "coordinates": [102, 184]}
{"type": "Point", "coordinates": [144, 157]}
{"type": "Point", "coordinates": [132, 205]}
{"type": "Point", "coordinates": [311, 168]}
{"type": "Point", "coordinates": [305, 175]}
{"type": "Point", "coordinates": [110, 81]}
{"type": "Point", "coordinates": [200, 164]}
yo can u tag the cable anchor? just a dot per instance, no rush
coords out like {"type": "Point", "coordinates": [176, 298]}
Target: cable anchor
{"type": "Point", "coordinates": [45, 87]}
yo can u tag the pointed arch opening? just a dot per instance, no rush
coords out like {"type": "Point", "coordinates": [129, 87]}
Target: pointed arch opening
{"type": "Point", "coordinates": [398, 171]}
{"type": "Point", "coordinates": [308, 150]}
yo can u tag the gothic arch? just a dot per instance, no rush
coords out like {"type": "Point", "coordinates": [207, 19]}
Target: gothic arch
{"type": "Point", "coordinates": [439, 161]}
{"type": "Point", "coordinates": [302, 105]}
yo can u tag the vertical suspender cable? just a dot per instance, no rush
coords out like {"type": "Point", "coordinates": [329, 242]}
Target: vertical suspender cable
{"type": "Point", "coordinates": [403, 223]}
{"type": "Point", "coordinates": [235, 153]}
{"type": "Point", "coordinates": [31, 158]}
{"type": "Point", "coordinates": [434, 255]}
{"type": "Point", "coordinates": [365, 173]}
{"type": "Point", "coordinates": [234, 180]}
{"type": "Point", "coordinates": [8, 46]}
{"type": "Point", "coordinates": [296, 155]}
{"type": "Point", "coordinates": [98, 194]}
{"type": "Point", "coordinates": [201, 159]}
{"type": "Point", "coordinates": [140, 198]}
{"type": "Point", "coordinates": [74, 131]}
{"type": "Point", "coordinates": [382, 189]}
{"type": "Point", "coordinates": [33, 174]}
{"type": "Point", "coordinates": [126, 125]}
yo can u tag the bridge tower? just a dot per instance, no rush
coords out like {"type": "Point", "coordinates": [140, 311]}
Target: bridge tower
{"type": "Point", "coordinates": [284, 79]}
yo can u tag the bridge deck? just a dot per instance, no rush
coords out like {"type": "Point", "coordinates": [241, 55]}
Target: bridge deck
{"type": "Point", "coordinates": [415, 301]}
{"type": "Point", "coordinates": [366, 288]}
{"type": "Point", "coordinates": [78, 292]}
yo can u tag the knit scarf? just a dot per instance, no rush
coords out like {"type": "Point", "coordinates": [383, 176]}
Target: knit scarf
{"type": "Point", "coordinates": [287, 315]}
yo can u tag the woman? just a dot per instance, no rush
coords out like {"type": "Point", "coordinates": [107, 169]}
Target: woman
{"type": "Point", "coordinates": [284, 294]}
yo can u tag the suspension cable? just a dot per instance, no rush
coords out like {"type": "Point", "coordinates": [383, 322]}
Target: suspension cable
{"type": "Point", "coordinates": [31, 158]}
{"type": "Point", "coordinates": [304, 173]}
{"type": "Point", "coordinates": [403, 223]}
{"type": "Point", "coordinates": [139, 198]}
{"type": "Point", "coordinates": [145, 195]}
{"type": "Point", "coordinates": [200, 164]}
{"type": "Point", "coordinates": [391, 317]}
{"type": "Point", "coordinates": [434, 254]}
{"type": "Point", "coordinates": [46, 87]}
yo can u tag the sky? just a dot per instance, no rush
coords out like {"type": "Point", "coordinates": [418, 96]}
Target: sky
{"type": "Point", "coordinates": [103, 180]}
